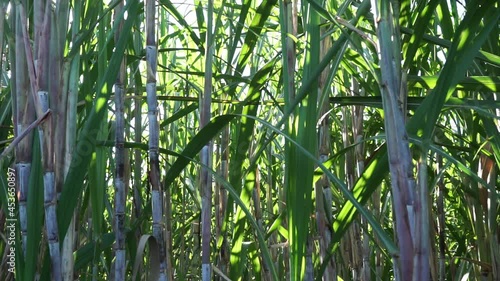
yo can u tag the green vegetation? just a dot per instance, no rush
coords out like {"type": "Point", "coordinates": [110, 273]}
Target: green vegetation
{"type": "Point", "coordinates": [249, 140]}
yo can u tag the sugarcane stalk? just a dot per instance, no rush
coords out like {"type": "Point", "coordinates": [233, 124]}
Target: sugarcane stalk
{"type": "Point", "coordinates": [206, 152]}
{"type": "Point", "coordinates": [120, 193]}
{"type": "Point", "coordinates": [487, 202]}
{"type": "Point", "coordinates": [288, 15]}
{"type": "Point", "coordinates": [270, 207]}
{"type": "Point", "coordinates": [223, 257]}
{"type": "Point", "coordinates": [137, 161]}
{"type": "Point", "coordinates": [68, 262]}
{"type": "Point", "coordinates": [154, 166]}
{"type": "Point", "coordinates": [23, 116]}
{"type": "Point", "coordinates": [322, 187]}
{"type": "Point", "coordinates": [397, 141]}
{"type": "Point", "coordinates": [58, 88]}
{"type": "Point", "coordinates": [353, 248]}
{"type": "Point", "coordinates": [69, 105]}
{"type": "Point", "coordinates": [359, 157]}
{"type": "Point", "coordinates": [39, 78]}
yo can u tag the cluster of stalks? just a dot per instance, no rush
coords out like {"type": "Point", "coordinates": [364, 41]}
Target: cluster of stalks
{"type": "Point", "coordinates": [254, 140]}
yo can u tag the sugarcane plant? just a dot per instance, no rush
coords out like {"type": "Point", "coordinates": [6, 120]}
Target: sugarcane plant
{"type": "Point", "coordinates": [119, 181]}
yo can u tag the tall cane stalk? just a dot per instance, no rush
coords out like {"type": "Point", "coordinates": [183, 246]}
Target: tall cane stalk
{"type": "Point", "coordinates": [120, 193]}
{"type": "Point", "coordinates": [23, 116]}
{"type": "Point", "coordinates": [206, 152]}
{"type": "Point", "coordinates": [400, 165]}
{"type": "Point", "coordinates": [323, 192]}
{"type": "Point", "coordinates": [154, 166]}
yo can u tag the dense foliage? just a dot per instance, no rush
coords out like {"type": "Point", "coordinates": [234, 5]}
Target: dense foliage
{"type": "Point", "coordinates": [249, 140]}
